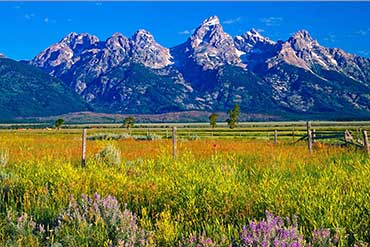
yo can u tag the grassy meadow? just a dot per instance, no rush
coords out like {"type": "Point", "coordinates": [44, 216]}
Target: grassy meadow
{"type": "Point", "coordinates": [221, 181]}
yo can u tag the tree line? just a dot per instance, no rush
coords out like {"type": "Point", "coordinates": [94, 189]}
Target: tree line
{"type": "Point", "coordinates": [129, 122]}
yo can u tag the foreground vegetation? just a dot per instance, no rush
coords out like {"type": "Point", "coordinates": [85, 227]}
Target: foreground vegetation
{"type": "Point", "coordinates": [205, 196]}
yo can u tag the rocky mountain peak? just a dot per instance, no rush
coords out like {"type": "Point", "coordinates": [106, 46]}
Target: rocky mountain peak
{"type": "Point", "coordinates": [81, 40]}
{"type": "Point", "coordinates": [69, 37]}
{"type": "Point", "coordinates": [211, 47]}
{"type": "Point", "coordinates": [143, 38]}
{"type": "Point", "coordinates": [65, 53]}
{"type": "Point", "coordinates": [117, 35]}
{"type": "Point", "coordinates": [254, 33]}
{"type": "Point", "coordinates": [211, 21]}
{"type": "Point", "coordinates": [302, 40]}
{"type": "Point", "coordinates": [303, 34]}
{"type": "Point", "coordinates": [147, 51]}
{"type": "Point", "coordinates": [248, 41]}
{"type": "Point", "coordinates": [255, 36]}
{"type": "Point", "coordinates": [142, 35]}
{"type": "Point", "coordinates": [303, 51]}
{"type": "Point", "coordinates": [117, 40]}
{"type": "Point", "coordinates": [210, 31]}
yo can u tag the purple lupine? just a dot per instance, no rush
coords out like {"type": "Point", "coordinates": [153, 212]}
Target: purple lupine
{"type": "Point", "coordinates": [324, 237]}
{"type": "Point", "coordinates": [121, 226]}
{"type": "Point", "coordinates": [270, 232]}
{"type": "Point", "coordinates": [24, 225]}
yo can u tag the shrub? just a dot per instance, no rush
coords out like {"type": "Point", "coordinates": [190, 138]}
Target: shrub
{"type": "Point", "coordinates": [147, 137]}
{"type": "Point", "coordinates": [194, 138]}
{"type": "Point", "coordinates": [109, 155]}
{"type": "Point", "coordinates": [108, 136]}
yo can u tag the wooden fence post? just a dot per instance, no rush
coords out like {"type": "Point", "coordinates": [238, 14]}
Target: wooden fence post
{"type": "Point", "coordinates": [174, 142]}
{"type": "Point", "coordinates": [309, 137]}
{"type": "Point", "coordinates": [275, 136]}
{"type": "Point", "coordinates": [83, 159]}
{"type": "Point", "coordinates": [366, 141]}
{"type": "Point", "coordinates": [293, 133]}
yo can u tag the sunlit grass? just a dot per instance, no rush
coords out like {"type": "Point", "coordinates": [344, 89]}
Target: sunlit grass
{"type": "Point", "coordinates": [213, 187]}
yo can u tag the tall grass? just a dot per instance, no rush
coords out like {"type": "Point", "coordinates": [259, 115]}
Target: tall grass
{"type": "Point", "coordinates": [201, 193]}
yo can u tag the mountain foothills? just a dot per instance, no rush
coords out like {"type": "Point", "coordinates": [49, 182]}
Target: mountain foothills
{"type": "Point", "coordinates": [27, 91]}
{"type": "Point", "coordinates": [211, 71]}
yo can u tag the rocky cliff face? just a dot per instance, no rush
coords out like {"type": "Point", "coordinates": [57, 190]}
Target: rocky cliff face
{"type": "Point", "coordinates": [145, 50]}
{"type": "Point", "coordinates": [209, 47]}
{"type": "Point", "coordinates": [211, 71]}
{"type": "Point", "coordinates": [103, 72]}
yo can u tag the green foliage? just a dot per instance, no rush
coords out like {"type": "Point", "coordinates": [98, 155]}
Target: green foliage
{"type": "Point", "coordinates": [128, 122]}
{"type": "Point", "coordinates": [59, 122]}
{"type": "Point", "coordinates": [124, 136]}
{"type": "Point", "coordinates": [108, 136]}
{"type": "Point", "coordinates": [234, 113]}
{"type": "Point", "coordinates": [158, 96]}
{"type": "Point", "coordinates": [147, 137]}
{"type": "Point", "coordinates": [26, 91]}
{"type": "Point", "coordinates": [213, 119]}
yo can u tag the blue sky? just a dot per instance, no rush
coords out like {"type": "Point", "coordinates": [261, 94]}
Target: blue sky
{"type": "Point", "coordinates": [26, 28]}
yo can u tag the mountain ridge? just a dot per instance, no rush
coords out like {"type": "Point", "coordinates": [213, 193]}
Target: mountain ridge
{"type": "Point", "coordinates": [26, 91]}
{"type": "Point", "coordinates": [211, 71]}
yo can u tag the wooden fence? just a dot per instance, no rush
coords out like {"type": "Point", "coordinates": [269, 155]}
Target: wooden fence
{"type": "Point", "coordinates": [345, 137]}
{"type": "Point", "coordinates": [311, 136]}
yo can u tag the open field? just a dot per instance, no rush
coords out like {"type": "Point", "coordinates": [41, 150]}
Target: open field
{"type": "Point", "coordinates": [221, 180]}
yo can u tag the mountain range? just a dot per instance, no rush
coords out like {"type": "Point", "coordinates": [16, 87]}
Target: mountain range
{"type": "Point", "coordinates": [293, 79]}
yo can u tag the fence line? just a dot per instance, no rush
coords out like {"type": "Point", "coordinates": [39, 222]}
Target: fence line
{"type": "Point", "coordinates": [83, 158]}
{"type": "Point", "coordinates": [312, 136]}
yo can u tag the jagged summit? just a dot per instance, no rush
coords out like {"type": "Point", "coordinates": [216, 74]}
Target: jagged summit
{"type": "Point", "coordinates": [147, 51]}
{"type": "Point", "coordinates": [117, 41]}
{"type": "Point", "coordinates": [73, 39]}
{"type": "Point", "coordinates": [249, 40]}
{"type": "Point", "coordinates": [254, 46]}
{"type": "Point", "coordinates": [209, 30]}
{"type": "Point", "coordinates": [209, 46]}
{"type": "Point", "coordinates": [142, 34]}
{"type": "Point", "coordinates": [254, 33]}
{"type": "Point", "coordinates": [302, 34]}
{"type": "Point", "coordinates": [117, 35]}
{"type": "Point", "coordinates": [211, 21]}
{"type": "Point", "coordinates": [70, 36]}
{"type": "Point", "coordinates": [255, 36]}
{"type": "Point", "coordinates": [302, 40]}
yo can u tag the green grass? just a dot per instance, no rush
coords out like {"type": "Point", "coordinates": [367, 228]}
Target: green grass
{"type": "Point", "coordinates": [200, 192]}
